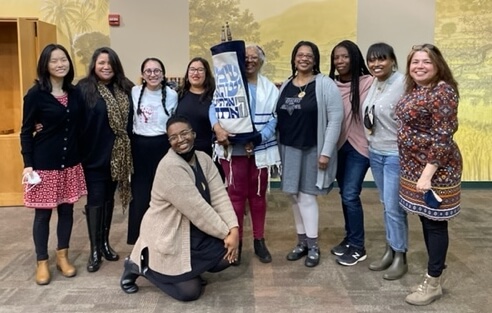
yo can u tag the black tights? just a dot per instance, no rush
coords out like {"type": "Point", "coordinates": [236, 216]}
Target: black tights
{"type": "Point", "coordinates": [189, 290]}
{"type": "Point", "coordinates": [436, 241]}
{"type": "Point", "coordinates": [41, 229]}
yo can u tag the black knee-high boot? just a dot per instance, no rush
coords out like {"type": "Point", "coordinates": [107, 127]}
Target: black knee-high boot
{"type": "Point", "coordinates": [106, 250]}
{"type": "Point", "coordinates": [93, 215]}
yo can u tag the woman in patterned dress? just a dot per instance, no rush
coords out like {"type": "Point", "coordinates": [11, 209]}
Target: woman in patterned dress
{"type": "Point", "coordinates": [52, 152]}
{"type": "Point", "coordinates": [429, 157]}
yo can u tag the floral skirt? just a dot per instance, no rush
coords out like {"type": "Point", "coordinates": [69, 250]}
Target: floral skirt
{"type": "Point", "coordinates": [56, 187]}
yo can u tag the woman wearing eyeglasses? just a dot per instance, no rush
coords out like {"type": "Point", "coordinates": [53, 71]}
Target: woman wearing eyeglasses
{"type": "Point", "coordinates": [190, 227]}
{"type": "Point", "coordinates": [310, 114]}
{"type": "Point", "coordinates": [353, 81]}
{"type": "Point", "coordinates": [248, 166]}
{"type": "Point", "coordinates": [430, 160]}
{"type": "Point", "coordinates": [153, 103]}
{"type": "Point", "coordinates": [381, 127]}
{"type": "Point", "coordinates": [195, 98]}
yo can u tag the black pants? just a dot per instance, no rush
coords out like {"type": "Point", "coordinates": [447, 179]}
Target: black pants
{"type": "Point", "coordinates": [436, 241]}
{"type": "Point", "coordinates": [147, 152]}
{"type": "Point", "coordinates": [41, 229]}
{"type": "Point", "coordinates": [188, 290]}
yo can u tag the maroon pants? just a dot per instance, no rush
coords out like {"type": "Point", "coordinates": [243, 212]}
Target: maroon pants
{"type": "Point", "coordinates": [246, 182]}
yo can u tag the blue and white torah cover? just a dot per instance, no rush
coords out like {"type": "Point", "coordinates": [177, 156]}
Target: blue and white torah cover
{"type": "Point", "coordinates": [231, 98]}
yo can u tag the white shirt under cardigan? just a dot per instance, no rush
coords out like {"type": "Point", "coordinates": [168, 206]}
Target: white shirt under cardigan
{"type": "Point", "coordinates": [152, 121]}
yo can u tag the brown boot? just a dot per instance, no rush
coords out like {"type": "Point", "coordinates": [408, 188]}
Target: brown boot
{"type": "Point", "coordinates": [428, 291]}
{"type": "Point", "coordinates": [63, 264]}
{"type": "Point", "coordinates": [43, 276]}
{"type": "Point", "coordinates": [443, 276]}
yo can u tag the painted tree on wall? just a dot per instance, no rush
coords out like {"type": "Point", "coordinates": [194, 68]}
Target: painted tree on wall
{"type": "Point", "coordinates": [464, 35]}
{"type": "Point", "coordinates": [206, 21]}
{"type": "Point", "coordinates": [74, 18]}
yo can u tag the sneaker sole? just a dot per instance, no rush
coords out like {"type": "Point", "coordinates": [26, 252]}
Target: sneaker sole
{"type": "Point", "coordinates": [338, 253]}
{"type": "Point", "coordinates": [354, 263]}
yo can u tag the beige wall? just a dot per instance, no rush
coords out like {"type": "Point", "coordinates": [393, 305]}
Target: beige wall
{"type": "Point", "coordinates": [151, 28]}
{"type": "Point", "coordinates": [160, 28]}
{"type": "Point", "coordinates": [399, 23]}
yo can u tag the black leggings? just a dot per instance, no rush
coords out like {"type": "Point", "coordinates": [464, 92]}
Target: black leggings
{"type": "Point", "coordinates": [436, 241]}
{"type": "Point", "coordinates": [188, 290]}
{"type": "Point", "coordinates": [41, 229]}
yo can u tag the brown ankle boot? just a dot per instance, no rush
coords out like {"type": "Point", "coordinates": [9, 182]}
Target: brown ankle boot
{"type": "Point", "coordinates": [43, 276]}
{"type": "Point", "coordinates": [428, 291]}
{"type": "Point", "coordinates": [63, 264]}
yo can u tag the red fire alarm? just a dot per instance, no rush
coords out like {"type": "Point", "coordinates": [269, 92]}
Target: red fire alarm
{"type": "Point", "coordinates": [114, 19]}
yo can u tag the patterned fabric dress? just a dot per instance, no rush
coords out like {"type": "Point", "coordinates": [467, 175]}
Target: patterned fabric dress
{"type": "Point", "coordinates": [56, 186]}
{"type": "Point", "coordinates": [427, 120]}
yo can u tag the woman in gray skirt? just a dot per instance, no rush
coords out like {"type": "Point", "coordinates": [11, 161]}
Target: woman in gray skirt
{"type": "Point", "coordinates": [310, 114]}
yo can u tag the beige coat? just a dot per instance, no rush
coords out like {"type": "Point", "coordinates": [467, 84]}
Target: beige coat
{"type": "Point", "coordinates": [175, 201]}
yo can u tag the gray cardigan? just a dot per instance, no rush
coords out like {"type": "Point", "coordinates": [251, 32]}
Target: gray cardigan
{"type": "Point", "coordinates": [384, 132]}
{"type": "Point", "coordinates": [330, 116]}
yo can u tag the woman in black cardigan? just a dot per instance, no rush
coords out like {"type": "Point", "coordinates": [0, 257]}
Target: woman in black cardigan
{"type": "Point", "coordinates": [52, 153]}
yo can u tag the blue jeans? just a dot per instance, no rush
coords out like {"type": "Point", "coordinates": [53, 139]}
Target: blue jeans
{"type": "Point", "coordinates": [352, 168]}
{"type": "Point", "coordinates": [386, 173]}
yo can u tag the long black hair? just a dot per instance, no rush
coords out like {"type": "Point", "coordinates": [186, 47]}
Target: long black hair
{"type": "Point", "coordinates": [316, 55]}
{"type": "Point", "coordinates": [358, 68]}
{"type": "Point", "coordinates": [88, 85]}
{"type": "Point", "coordinates": [208, 83]}
{"type": "Point", "coordinates": [43, 72]}
{"type": "Point", "coordinates": [163, 84]}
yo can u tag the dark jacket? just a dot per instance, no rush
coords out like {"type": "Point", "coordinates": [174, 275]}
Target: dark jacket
{"type": "Point", "coordinates": [98, 137]}
{"type": "Point", "coordinates": [56, 146]}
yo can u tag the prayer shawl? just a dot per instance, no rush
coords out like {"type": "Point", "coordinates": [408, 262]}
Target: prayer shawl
{"type": "Point", "coordinates": [266, 154]}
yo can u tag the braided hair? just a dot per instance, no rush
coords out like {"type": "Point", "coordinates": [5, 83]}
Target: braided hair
{"type": "Point", "coordinates": [316, 55]}
{"type": "Point", "coordinates": [163, 84]}
{"type": "Point", "coordinates": [358, 68]}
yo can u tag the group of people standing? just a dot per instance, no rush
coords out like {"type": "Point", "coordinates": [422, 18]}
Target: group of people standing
{"type": "Point", "coordinates": [319, 128]}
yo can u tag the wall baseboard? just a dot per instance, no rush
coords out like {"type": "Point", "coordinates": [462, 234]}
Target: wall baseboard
{"type": "Point", "coordinates": [371, 184]}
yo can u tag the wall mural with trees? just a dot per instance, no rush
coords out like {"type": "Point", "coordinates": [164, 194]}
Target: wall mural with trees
{"type": "Point", "coordinates": [82, 27]}
{"type": "Point", "coordinates": [464, 34]}
{"type": "Point", "coordinates": [277, 33]}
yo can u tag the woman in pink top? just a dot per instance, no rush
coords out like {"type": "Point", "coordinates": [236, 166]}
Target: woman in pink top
{"type": "Point", "coordinates": [353, 80]}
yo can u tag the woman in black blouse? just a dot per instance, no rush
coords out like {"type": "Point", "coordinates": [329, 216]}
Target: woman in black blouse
{"type": "Point", "coordinates": [194, 99]}
{"type": "Point", "coordinates": [107, 159]}
{"type": "Point", "coordinates": [56, 106]}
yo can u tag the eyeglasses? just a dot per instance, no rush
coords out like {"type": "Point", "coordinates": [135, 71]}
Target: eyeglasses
{"type": "Point", "coordinates": [421, 47]}
{"type": "Point", "coordinates": [250, 58]}
{"type": "Point", "coordinates": [200, 70]}
{"type": "Point", "coordinates": [155, 71]}
{"type": "Point", "coordinates": [182, 135]}
{"type": "Point", "coordinates": [304, 55]}
{"type": "Point", "coordinates": [369, 118]}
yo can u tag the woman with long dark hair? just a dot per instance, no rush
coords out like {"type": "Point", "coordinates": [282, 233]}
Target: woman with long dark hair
{"type": "Point", "coordinates": [107, 158]}
{"type": "Point", "coordinates": [348, 69]}
{"type": "Point", "coordinates": [153, 103]}
{"type": "Point", "coordinates": [195, 97]}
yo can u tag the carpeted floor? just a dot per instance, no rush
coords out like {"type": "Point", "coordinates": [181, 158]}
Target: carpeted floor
{"type": "Point", "coordinates": [280, 286]}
